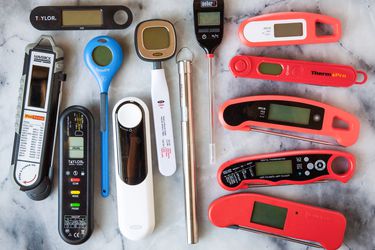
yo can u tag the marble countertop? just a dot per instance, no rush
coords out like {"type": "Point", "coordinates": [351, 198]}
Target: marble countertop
{"type": "Point", "coordinates": [27, 224]}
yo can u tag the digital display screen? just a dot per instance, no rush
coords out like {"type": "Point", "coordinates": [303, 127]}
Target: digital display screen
{"type": "Point", "coordinates": [82, 18]}
{"type": "Point", "coordinates": [268, 215]}
{"type": "Point", "coordinates": [102, 56]}
{"type": "Point", "coordinates": [156, 38]}
{"type": "Point", "coordinates": [76, 147]}
{"type": "Point", "coordinates": [38, 86]}
{"type": "Point", "coordinates": [288, 29]}
{"type": "Point", "coordinates": [273, 168]}
{"type": "Point", "coordinates": [270, 68]}
{"type": "Point", "coordinates": [289, 114]}
{"type": "Point", "coordinates": [208, 18]}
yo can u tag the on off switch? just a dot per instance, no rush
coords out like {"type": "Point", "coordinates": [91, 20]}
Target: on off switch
{"type": "Point", "coordinates": [240, 66]}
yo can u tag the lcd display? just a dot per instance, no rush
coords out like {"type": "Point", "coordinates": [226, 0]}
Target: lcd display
{"type": "Point", "coordinates": [289, 114]}
{"type": "Point", "coordinates": [38, 86]}
{"type": "Point", "coordinates": [156, 38]}
{"type": "Point", "coordinates": [82, 18]}
{"type": "Point", "coordinates": [288, 29]}
{"type": "Point", "coordinates": [268, 215]}
{"type": "Point", "coordinates": [270, 68]}
{"type": "Point", "coordinates": [76, 147]}
{"type": "Point", "coordinates": [273, 168]}
{"type": "Point", "coordinates": [208, 18]}
{"type": "Point", "coordinates": [102, 56]}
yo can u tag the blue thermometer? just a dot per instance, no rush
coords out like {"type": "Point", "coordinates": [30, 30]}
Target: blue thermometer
{"type": "Point", "coordinates": [103, 56]}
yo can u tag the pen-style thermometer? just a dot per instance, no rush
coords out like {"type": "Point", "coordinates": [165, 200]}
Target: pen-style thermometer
{"type": "Point", "coordinates": [316, 73]}
{"type": "Point", "coordinates": [155, 41]}
{"type": "Point", "coordinates": [286, 168]}
{"type": "Point", "coordinates": [103, 56]}
{"type": "Point", "coordinates": [287, 28]}
{"type": "Point", "coordinates": [209, 30]}
{"type": "Point", "coordinates": [304, 224]}
{"type": "Point", "coordinates": [290, 117]}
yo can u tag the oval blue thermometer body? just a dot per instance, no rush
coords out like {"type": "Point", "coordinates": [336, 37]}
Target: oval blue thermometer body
{"type": "Point", "coordinates": [103, 56]}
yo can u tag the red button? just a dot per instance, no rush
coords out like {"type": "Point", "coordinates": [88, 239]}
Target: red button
{"type": "Point", "coordinates": [240, 66]}
{"type": "Point", "coordinates": [75, 179]}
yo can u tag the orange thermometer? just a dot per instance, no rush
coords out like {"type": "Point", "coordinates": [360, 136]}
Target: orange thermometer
{"type": "Point", "coordinates": [304, 224]}
{"type": "Point", "coordinates": [286, 168]}
{"type": "Point", "coordinates": [287, 28]}
{"type": "Point", "coordinates": [290, 116]}
{"type": "Point", "coordinates": [285, 70]}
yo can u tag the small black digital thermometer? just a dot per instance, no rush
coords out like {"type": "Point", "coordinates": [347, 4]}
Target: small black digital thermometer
{"type": "Point", "coordinates": [76, 166]}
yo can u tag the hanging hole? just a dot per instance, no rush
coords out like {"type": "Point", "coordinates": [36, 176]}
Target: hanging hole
{"type": "Point", "coordinates": [340, 165]}
{"type": "Point", "coordinates": [361, 77]}
{"type": "Point", "coordinates": [340, 124]}
{"type": "Point", "coordinates": [120, 17]}
{"type": "Point", "coordinates": [323, 29]}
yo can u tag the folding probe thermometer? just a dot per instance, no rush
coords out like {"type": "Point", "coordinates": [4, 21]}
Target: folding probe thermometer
{"type": "Point", "coordinates": [308, 225]}
{"type": "Point", "coordinates": [209, 30]}
{"type": "Point", "coordinates": [290, 117]}
{"type": "Point", "coordinates": [288, 28]}
{"type": "Point", "coordinates": [103, 56]}
{"type": "Point", "coordinates": [316, 73]}
{"type": "Point", "coordinates": [286, 168]}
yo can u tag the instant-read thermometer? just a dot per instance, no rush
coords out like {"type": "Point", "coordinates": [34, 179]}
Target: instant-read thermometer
{"type": "Point", "coordinates": [275, 69]}
{"type": "Point", "coordinates": [209, 30]}
{"type": "Point", "coordinates": [287, 28]}
{"type": "Point", "coordinates": [155, 41]}
{"type": "Point", "coordinates": [103, 56]}
{"type": "Point", "coordinates": [312, 226]}
{"type": "Point", "coordinates": [289, 116]}
{"type": "Point", "coordinates": [76, 174]}
{"type": "Point", "coordinates": [81, 17]}
{"type": "Point", "coordinates": [286, 168]}
{"type": "Point", "coordinates": [133, 160]}
{"type": "Point", "coordinates": [36, 121]}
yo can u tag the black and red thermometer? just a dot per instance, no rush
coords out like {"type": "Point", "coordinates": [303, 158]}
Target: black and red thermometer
{"type": "Point", "coordinates": [209, 30]}
{"type": "Point", "coordinates": [286, 168]}
{"type": "Point", "coordinates": [304, 224]}
{"type": "Point", "coordinates": [297, 71]}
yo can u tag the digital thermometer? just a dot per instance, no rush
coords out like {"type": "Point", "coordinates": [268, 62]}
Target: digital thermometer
{"type": "Point", "coordinates": [36, 121]}
{"type": "Point", "coordinates": [312, 226]}
{"type": "Point", "coordinates": [209, 31]}
{"type": "Point", "coordinates": [155, 41]}
{"type": "Point", "coordinates": [76, 174]}
{"type": "Point", "coordinates": [288, 28]}
{"type": "Point", "coordinates": [286, 168]}
{"type": "Point", "coordinates": [290, 116]}
{"type": "Point", "coordinates": [103, 56]}
{"type": "Point", "coordinates": [275, 69]}
{"type": "Point", "coordinates": [133, 160]}
{"type": "Point", "coordinates": [81, 17]}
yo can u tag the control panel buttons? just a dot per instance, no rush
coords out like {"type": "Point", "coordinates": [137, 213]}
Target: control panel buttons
{"type": "Point", "coordinates": [75, 205]}
{"type": "Point", "coordinates": [310, 166]}
{"type": "Point", "coordinates": [307, 173]}
{"type": "Point", "coordinates": [320, 165]}
{"type": "Point", "coordinates": [75, 179]}
{"type": "Point", "coordinates": [306, 159]}
{"type": "Point", "coordinates": [75, 192]}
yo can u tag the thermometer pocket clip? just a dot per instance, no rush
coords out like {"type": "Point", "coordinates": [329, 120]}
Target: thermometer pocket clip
{"type": "Point", "coordinates": [297, 167]}
{"type": "Point", "coordinates": [291, 117]}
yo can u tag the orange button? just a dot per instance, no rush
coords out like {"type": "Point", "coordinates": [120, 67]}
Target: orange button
{"type": "Point", "coordinates": [75, 179]}
{"type": "Point", "coordinates": [240, 66]}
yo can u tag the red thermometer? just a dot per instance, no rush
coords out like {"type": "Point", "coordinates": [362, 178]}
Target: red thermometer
{"type": "Point", "coordinates": [286, 168]}
{"type": "Point", "coordinates": [312, 226]}
{"type": "Point", "coordinates": [287, 28]}
{"type": "Point", "coordinates": [284, 70]}
{"type": "Point", "coordinates": [289, 117]}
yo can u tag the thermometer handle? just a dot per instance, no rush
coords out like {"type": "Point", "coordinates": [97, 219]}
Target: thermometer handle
{"type": "Point", "coordinates": [163, 123]}
{"type": "Point", "coordinates": [104, 135]}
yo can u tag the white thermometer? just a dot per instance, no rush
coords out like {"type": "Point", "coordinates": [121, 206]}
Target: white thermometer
{"type": "Point", "coordinates": [132, 146]}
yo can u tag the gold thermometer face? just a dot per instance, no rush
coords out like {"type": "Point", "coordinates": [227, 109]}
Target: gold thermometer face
{"type": "Point", "coordinates": [155, 40]}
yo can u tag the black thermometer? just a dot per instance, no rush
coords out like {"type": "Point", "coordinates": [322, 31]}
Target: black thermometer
{"type": "Point", "coordinates": [81, 17]}
{"type": "Point", "coordinates": [209, 29]}
{"type": "Point", "coordinates": [76, 172]}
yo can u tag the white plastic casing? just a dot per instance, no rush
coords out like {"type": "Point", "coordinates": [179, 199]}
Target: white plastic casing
{"type": "Point", "coordinates": [263, 31]}
{"type": "Point", "coordinates": [135, 203]}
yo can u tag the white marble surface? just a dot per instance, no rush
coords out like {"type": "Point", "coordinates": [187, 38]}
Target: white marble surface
{"type": "Point", "coordinates": [26, 224]}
